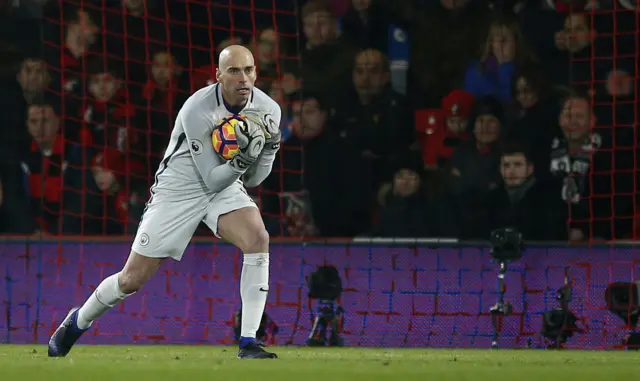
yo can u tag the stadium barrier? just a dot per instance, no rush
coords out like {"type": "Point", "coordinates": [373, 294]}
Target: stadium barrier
{"type": "Point", "coordinates": [426, 293]}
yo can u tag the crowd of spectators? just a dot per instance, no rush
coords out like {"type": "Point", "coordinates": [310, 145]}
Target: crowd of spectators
{"type": "Point", "coordinates": [510, 113]}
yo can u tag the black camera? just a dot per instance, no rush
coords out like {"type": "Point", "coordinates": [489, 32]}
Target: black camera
{"type": "Point", "coordinates": [623, 299]}
{"type": "Point", "coordinates": [325, 285]}
{"type": "Point", "coordinates": [559, 324]}
{"type": "Point", "coordinates": [506, 244]}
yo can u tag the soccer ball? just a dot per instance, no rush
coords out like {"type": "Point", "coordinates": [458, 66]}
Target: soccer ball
{"type": "Point", "coordinates": [224, 136]}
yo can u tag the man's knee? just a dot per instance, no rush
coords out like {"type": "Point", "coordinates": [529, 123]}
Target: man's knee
{"type": "Point", "coordinates": [253, 240]}
{"type": "Point", "coordinates": [258, 241]}
{"type": "Point", "coordinates": [137, 271]}
{"type": "Point", "coordinates": [244, 229]}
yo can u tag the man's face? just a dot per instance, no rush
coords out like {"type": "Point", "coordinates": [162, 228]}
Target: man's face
{"type": "Point", "coordinates": [103, 86]}
{"type": "Point", "coordinates": [42, 123]}
{"type": "Point", "coordinates": [457, 124]}
{"type": "Point", "coordinates": [405, 183]}
{"type": "Point", "coordinates": [163, 68]}
{"type": "Point", "coordinates": [104, 179]}
{"type": "Point", "coordinates": [267, 46]}
{"type": "Point", "coordinates": [578, 33]}
{"type": "Point", "coordinates": [525, 95]}
{"type": "Point", "coordinates": [576, 119]}
{"type": "Point", "coordinates": [84, 32]}
{"type": "Point", "coordinates": [369, 75]}
{"type": "Point", "coordinates": [312, 120]}
{"type": "Point", "coordinates": [33, 76]}
{"type": "Point", "coordinates": [515, 169]}
{"type": "Point", "coordinates": [319, 28]}
{"type": "Point", "coordinates": [237, 77]}
{"type": "Point", "coordinates": [487, 129]}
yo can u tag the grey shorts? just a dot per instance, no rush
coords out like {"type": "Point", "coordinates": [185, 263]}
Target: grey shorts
{"type": "Point", "coordinates": [167, 226]}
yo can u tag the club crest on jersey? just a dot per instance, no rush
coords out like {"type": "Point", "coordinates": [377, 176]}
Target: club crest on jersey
{"type": "Point", "coordinates": [144, 239]}
{"type": "Point", "coordinates": [196, 147]}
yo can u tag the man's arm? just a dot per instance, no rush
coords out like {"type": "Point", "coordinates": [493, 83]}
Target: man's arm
{"type": "Point", "coordinates": [258, 172]}
{"type": "Point", "coordinates": [217, 175]}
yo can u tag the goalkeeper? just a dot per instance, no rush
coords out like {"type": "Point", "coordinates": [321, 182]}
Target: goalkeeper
{"type": "Point", "coordinates": [194, 184]}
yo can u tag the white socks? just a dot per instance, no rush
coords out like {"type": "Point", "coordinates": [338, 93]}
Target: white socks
{"type": "Point", "coordinates": [254, 288]}
{"type": "Point", "coordinates": [106, 295]}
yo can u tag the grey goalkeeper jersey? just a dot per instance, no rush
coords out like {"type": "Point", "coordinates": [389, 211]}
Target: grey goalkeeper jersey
{"type": "Point", "coordinates": [190, 167]}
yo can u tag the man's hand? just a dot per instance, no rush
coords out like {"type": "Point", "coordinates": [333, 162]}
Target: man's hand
{"type": "Point", "coordinates": [265, 121]}
{"type": "Point", "coordinates": [251, 141]}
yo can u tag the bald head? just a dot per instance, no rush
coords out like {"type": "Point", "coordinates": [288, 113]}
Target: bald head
{"type": "Point", "coordinates": [236, 73]}
{"type": "Point", "coordinates": [233, 55]}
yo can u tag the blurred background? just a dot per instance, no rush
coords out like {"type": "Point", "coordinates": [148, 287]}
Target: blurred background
{"type": "Point", "coordinates": [432, 118]}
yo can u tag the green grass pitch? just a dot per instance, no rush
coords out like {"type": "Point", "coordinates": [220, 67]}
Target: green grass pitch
{"type": "Point", "coordinates": [193, 363]}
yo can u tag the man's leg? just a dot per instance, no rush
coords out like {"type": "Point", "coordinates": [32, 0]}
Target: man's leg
{"type": "Point", "coordinates": [136, 272]}
{"type": "Point", "coordinates": [244, 229]}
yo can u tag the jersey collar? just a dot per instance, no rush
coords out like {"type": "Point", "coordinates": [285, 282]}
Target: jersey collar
{"type": "Point", "coordinates": [232, 109]}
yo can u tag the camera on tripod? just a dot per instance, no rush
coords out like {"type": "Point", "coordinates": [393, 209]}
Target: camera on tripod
{"type": "Point", "coordinates": [623, 299]}
{"type": "Point", "coordinates": [506, 247]}
{"type": "Point", "coordinates": [325, 285]}
{"type": "Point", "coordinates": [559, 324]}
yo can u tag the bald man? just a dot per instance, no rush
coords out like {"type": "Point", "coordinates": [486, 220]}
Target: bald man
{"type": "Point", "coordinates": [193, 184]}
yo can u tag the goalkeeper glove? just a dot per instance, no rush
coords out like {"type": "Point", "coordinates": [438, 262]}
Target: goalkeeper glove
{"type": "Point", "coordinates": [271, 130]}
{"type": "Point", "coordinates": [250, 138]}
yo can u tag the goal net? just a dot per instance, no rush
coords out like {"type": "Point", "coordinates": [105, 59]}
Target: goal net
{"type": "Point", "coordinates": [118, 73]}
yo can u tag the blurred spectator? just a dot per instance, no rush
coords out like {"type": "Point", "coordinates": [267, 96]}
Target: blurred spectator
{"type": "Point", "coordinates": [522, 201]}
{"type": "Point", "coordinates": [162, 97]}
{"type": "Point", "coordinates": [327, 56]}
{"type": "Point", "coordinates": [582, 165]}
{"type": "Point", "coordinates": [18, 92]}
{"type": "Point", "coordinates": [107, 114]}
{"type": "Point", "coordinates": [298, 215]}
{"type": "Point", "coordinates": [572, 64]}
{"type": "Point", "coordinates": [33, 77]}
{"type": "Point", "coordinates": [502, 53]}
{"type": "Point", "coordinates": [103, 207]}
{"type": "Point", "coordinates": [45, 164]}
{"type": "Point", "coordinates": [406, 211]}
{"type": "Point", "coordinates": [367, 25]}
{"type": "Point", "coordinates": [304, 167]}
{"type": "Point", "coordinates": [444, 38]}
{"type": "Point", "coordinates": [134, 29]}
{"type": "Point", "coordinates": [534, 116]}
{"type": "Point", "coordinates": [441, 131]}
{"type": "Point", "coordinates": [309, 160]}
{"type": "Point", "coordinates": [474, 164]}
{"type": "Point", "coordinates": [68, 57]}
{"type": "Point", "coordinates": [271, 58]}
{"type": "Point", "coordinates": [374, 121]}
